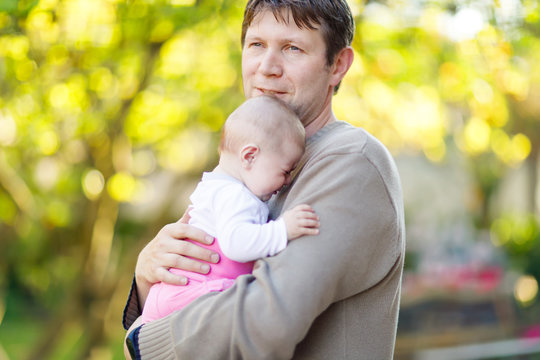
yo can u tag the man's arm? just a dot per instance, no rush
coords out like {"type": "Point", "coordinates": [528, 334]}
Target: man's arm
{"type": "Point", "coordinates": [265, 315]}
{"type": "Point", "coordinates": [166, 250]}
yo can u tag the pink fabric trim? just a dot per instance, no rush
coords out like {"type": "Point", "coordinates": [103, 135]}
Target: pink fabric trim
{"type": "Point", "coordinates": [164, 299]}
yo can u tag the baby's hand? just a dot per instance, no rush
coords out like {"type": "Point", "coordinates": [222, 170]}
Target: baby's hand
{"type": "Point", "coordinates": [301, 220]}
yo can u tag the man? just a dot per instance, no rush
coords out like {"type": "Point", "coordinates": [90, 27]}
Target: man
{"type": "Point", "coordinates": [330, 296]}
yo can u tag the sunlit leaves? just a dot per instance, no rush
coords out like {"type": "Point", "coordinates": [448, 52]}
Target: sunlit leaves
{"type": "Point", "coordinates": [452, 82]}
{"type": "Point", "coordinates": [208, 63]}
{"type": "Point", "coordinates": [479, 137]}
{"type": "Point", "coordinates": [103, 83]}
{"type": "Point", "coordinates": [15, 46]}
{"type": "Point", "coordinates": [407, 117]}
{"type": "Point", "coordinates": [93, 183]}
{"type": "Point", "coordinates": [390, 62]}
{"type": "Point", "coordinates": [122, 186]}
{"type": "Point", "coordinates": [182, 2]}
{"type": "Point", "coordinates": [518, 231]}
{"type": "Point", "coordinates": [8, 129]}
{"type": "Point", "coordinates": [519, 234]}
{"type": "Point", "coordinates": [521, 147]}
{"type": "Point", "coordinates": [42, 29]}
{"type": "Point", "coordinates": [526, 289]}
{"type": "Point", "coordinates": [8, 209]}
{"type": "Point", "coordinates": [515, 83]}
{"type": "Point", "coordinates": [89, 23]}
{"type": "Point", "coordinates": [186, 151]}
{"type": "Point", "coordinates": [473, 71]}
{"type": "Point", "coordinates": [174, 61]}
{"type": "Point", "coordinates": [162, 30]}
{"type": "Point", "coordinates": [144, 162]}
{"type": "Point", "coordinates": [47, 173]}
{"type": "Point", "coordinates": [69, 97]}
{"type": "Point", "coordinates": [153, 115]}
{"type": "Point", "coordinates": [58, 213]}
{"type": "Point", "coordinates": [476, 136]}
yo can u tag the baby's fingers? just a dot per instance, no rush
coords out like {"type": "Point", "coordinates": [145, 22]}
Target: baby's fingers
{"type": "Point", "coordinates": [309, 222]}
{"type": "Point", "coordinates": [310, 231]}
{"type": "Point", "coordinates": [308, 215]}
{"type": "Point", "coordinates": [304, 207]}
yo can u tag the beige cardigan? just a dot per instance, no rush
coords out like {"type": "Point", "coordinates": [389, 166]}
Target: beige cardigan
{"type": "Point", "coordinates": [331, 296]}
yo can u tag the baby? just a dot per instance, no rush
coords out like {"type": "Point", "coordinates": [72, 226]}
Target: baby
{"type": "Point", "coordinates": [261, 143]}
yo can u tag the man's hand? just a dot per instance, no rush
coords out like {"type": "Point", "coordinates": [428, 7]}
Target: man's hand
{"type": "Point", "coordinates": [169, 249]}
{"type": "Point", "coordinates": [301, 220]}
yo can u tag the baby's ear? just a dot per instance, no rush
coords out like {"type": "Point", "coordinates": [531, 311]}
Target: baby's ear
{"type": "Point", "coordinates": [248, 154]}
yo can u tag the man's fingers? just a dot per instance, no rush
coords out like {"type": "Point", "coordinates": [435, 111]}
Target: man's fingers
{"type": "Point", "coordinates": [180, 230]}
{"type": "Point", "coordinates": [168, 277]}
{"type": "Point", "coordinates": [185, 263]}
{"type": "Point", "coordinates": [191, 250]}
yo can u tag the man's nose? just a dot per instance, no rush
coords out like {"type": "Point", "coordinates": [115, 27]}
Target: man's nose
{"type": "Point", "coordinates": [271, 63]}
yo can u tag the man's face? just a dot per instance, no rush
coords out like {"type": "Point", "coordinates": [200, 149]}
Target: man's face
{"type": "Point", "coordinates": [288, 62]}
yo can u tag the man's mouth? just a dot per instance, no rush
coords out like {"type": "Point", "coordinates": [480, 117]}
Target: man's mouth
{"type": "Point", "coordinates": [270, 92]}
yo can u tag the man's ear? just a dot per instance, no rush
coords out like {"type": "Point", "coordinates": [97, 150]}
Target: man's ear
{"type": "Point", "coordinates": [342, 64]}
{"type": "Point", "coordinates": [248, 154]}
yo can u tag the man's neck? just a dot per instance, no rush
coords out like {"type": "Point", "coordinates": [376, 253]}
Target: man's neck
{"type": "Point", "coordinates": [325, 118]}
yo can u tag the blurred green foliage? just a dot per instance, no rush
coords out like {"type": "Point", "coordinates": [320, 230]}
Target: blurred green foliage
{"type": "Point", "coordinates": [109, 109]}
{"type": "Point", "coordinates": [520, 236]}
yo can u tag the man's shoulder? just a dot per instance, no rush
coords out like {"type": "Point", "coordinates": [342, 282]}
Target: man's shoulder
{"type": "Point", "coordinates": [342, 138]}
{"type": "Point", "coordinates": [337, 133]}
{"type": "Point", "coordinates": [354, 153]}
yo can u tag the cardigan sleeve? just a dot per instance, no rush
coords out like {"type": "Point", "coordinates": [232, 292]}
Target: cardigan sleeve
{"type": "Point", "coordinates": [132, 309]}
{"type": "Point", "coordinates": [266, 314]}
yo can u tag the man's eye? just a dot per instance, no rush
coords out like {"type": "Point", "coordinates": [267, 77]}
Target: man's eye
{"type": "Point", "coordinates": [294, 48]}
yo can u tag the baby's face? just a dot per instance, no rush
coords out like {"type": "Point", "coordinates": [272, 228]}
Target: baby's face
{"type": "Point", "coordinates": [270, 171]}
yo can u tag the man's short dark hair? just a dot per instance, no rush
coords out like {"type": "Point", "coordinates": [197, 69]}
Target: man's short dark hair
{"type": "Point", "coordinates": [333, 16]}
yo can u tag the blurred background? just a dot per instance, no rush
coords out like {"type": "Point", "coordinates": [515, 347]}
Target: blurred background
{"type": "Point", "coordinates": [111, 109]}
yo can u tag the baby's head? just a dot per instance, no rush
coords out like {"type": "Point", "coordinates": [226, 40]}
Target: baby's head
{"type": "Point", "coordinates": [268, 140]}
